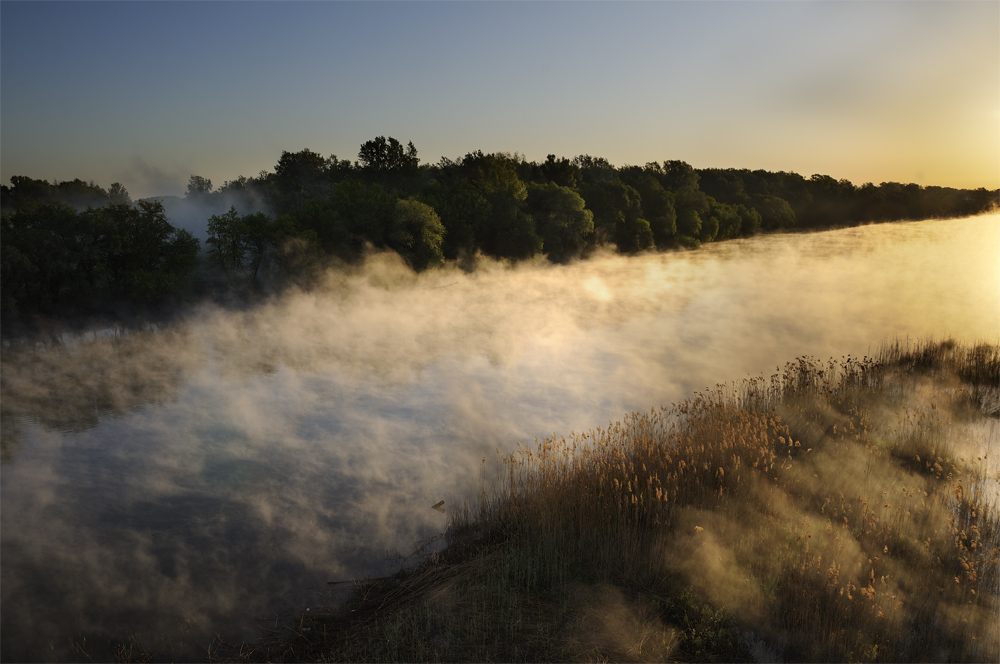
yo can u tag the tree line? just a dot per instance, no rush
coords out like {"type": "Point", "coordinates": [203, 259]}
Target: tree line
{"type": "Point", "coordinates": [75, 247]}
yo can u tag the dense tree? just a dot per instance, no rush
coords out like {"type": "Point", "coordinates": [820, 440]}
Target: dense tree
{"type": "Point", "coordinates": [387, 162]}
{"type": "Point", "coordinates": [248, 193]}
{"type": "Point", "coordinates": [688, 225]}
{"type": "Point", "coordinates": [416, 234]}
{"type": "Point", "coordinates": [562, 172]}
{"type": "Point", "coordinates": [675, 175]}
{"type": "Point", "coordinates": [117, 193]}
{"type": "Point", "coordinates": [45, 251]}
{"type": "Point", "coordinates": [142, 257]}
{"type": "Point", "coordinates": [617, 210]}
{"type": "Point", "coordinates": [24, 191]}
{"type": "Point", "coordinates": [724, 185]}
{"type": "Point", "coordinates": [298, 177]}
{"type": "Point", "coordinates": [198, 187]}
{"type": "Point", "coordinates": [55, 259]}
{"type": "Point", "coordinates": [657, 207]}
{"type": "Point", "coordinates": [775, 213]}
{"type": "Point", "coordinates": [319, 216]}
{"type": "Point", "coordinates": [693, 213]}
{"type": "Point", "coordinates": [463, 211]}
{"type": "Point", "coordinates": [727, 221]}
{"type": "Point", "coordinates": [562, 220]}
{"type": "Point", "coordinates": [594, 169]}
{"type": "Point", "coordinates": [239, 244]}
{"type": "Point", "coordinates": [832, 202]}
{"type": "Point", "coordinates": [790, 187]}
{"type": "Point", "coordinates": [74, 247]}
{"type": "Point", "coordinates": [509, 231]}
{"type": "Point", "coordinates": [364, 212]}
{"type": "Point", "coordinates": [750, 220]}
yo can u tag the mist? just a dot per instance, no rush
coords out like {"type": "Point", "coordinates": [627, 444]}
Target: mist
{"type": "Point", "coordinates": [195, 479]}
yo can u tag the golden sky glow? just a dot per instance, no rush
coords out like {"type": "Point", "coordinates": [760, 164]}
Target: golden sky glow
{"type": "Point", "coordinates": [150, 93]}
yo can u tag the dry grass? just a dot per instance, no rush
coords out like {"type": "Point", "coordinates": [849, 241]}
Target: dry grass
{"type": "Point", "coordinates": [837, 511]}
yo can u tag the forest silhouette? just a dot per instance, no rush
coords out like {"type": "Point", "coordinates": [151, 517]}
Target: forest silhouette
{"type": "Point", "coordinates": [76, 249]}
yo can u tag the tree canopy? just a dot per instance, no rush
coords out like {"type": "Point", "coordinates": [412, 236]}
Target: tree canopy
{"type": "Point", "coordinates": [73, 246]}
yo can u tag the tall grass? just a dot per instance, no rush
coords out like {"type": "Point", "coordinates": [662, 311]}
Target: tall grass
{"type": "Point", "coordinates": [838, 511]}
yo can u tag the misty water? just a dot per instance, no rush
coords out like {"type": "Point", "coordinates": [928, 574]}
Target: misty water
{"type": "Point", "coordinates": [208, 477]}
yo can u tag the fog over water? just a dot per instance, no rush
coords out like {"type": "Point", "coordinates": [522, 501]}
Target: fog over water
{"type": "Point", "coordinates": [199, 479]}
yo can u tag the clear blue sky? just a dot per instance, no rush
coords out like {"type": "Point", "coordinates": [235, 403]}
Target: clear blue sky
{"type": "Point", "coordinates": [149, 93]}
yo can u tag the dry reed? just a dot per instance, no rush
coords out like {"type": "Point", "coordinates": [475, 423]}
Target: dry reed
{"type": "Point", "coordinates": [833, 512]}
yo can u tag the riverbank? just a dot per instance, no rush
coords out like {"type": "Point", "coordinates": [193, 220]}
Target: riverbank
{"type": "Point", "coordinates": [839, 511]}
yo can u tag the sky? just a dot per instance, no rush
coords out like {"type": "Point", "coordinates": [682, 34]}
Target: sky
{"type": "Point", "coordinates": [150, 93]}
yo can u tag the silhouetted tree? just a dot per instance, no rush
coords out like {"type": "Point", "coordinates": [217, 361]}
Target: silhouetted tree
{"type": "Point", "coordinates": [775, 212]}
{"type": "Point", "coordinates": [117, 193]}
{"type": "Point", "coordinates": [750, 220]}
{"type": "Point", "coordinates": [727, 220]}
{"type": "Point", "coordinates": [25, 191]}
{"type": "Point", "coordinates": [594, 169]}
{"type": "Point", "coordinates": [561, 219]}
{"type": "Point", "coordinates": [198, 187]}
{"type": "Point", "coordinates": [364, 212]}
{"type": "Point", "coordinates": [676, 175]}
{"type": "Point", "coordinates": [463, 211]}
{"type": "Point", "coordinates": [657, 207]}
{"type": "Point", "coordinates": [562, 172]}
{"type": "Point", "coordinates": [417, 234]}
{"type": "Point", "coordinates": [509, 231]}
{"type": "Point", "coordinates": [46, 249]}
{"type": "Point", "coordinates": [387, 162]}
{"type": "Point", "coordinates": [298, 177]}
{"type": "Point", "coordinates": [143, 258]}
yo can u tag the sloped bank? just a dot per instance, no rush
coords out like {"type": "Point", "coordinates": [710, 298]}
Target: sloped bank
{"type": "Point", "coordinates": [838, 511]}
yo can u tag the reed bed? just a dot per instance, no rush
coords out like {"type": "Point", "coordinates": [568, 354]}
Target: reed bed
{"type": "Point", "coordinates": [837, 511]}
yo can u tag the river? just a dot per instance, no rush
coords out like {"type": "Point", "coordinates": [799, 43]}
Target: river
{"type": "Point", "coordinates": [200, 479]}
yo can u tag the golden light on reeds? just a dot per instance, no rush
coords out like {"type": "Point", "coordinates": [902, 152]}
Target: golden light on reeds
{"type": "Point", "coordinates": [805, 485]}
{"type": "Point", "coordinates": [822, 514]}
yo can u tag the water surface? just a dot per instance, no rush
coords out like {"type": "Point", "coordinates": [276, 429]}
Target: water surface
{"type": "Point", "coordinates": [196, 480]}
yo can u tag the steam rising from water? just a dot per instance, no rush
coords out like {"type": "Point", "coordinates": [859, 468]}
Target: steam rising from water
{"type": "Point", "coordinates": [198, 478]}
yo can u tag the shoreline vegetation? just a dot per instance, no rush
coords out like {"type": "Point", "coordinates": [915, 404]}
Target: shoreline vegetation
{"type": "Point", "coordinates": [845, 510]}
{"type": "Point", "coordinates": [75, 253]}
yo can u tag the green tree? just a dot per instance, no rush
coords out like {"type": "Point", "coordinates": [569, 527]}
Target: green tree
{"type": "Point", "coordinates": [417, 233]}
{"type": "Point", "coordinates": [676, 175]}
{"type": "Point", "coordinates": [46, 251]}
{"type": "Point", "coordinates": [509, 231]}
{"type": "Point", "coordinates": [727, 221]}
{"type": "Point", "coordinates": [298, 177]}
{"type": "Point", "coordinates": [775, 212]}
{"type": "Point", "coordinates": [364, 214]}
{"type": "Point", "coordinates": [724, 185]}
{"type": "Point", "coordinates": [693, 211]}
{"type": "Point", "coordinates": [617, 210]}
{"type": "Point", "coordinates": [319, 216]}
{"type": "Point", "coordinates": [463, 211]}
{"type": "Point", "coordinates": [240, 243]}
{"type": "Point", "coordinates": [198, 187]}
{"type": "Point", "coordinates": [750, 220]}
{"type": "Point", "coordinates": [562, 172]}
{"type": "Point", "coordinates": [260, 233]}
{"type": "Point", "coordinates": [387, 162]}
{"type": "Point", "coordinates": [117, 193]}
{"type": "Point", "coordinates": [594, 169]}
{"type": "Point", "coordinates": [561, 218]}
{"type": "Point", "coordinates": [227, 246]}
{"type": "Point", "coordinates": [688, 224]}
{"type": "Point", "coordinates": [25, 191]}
{"type": "Point", "coordinates": [142, 257]}
{"type": "Point", "coordinates": [298, 254]}
{"type": "Point", "coordinates": [658, 207]}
